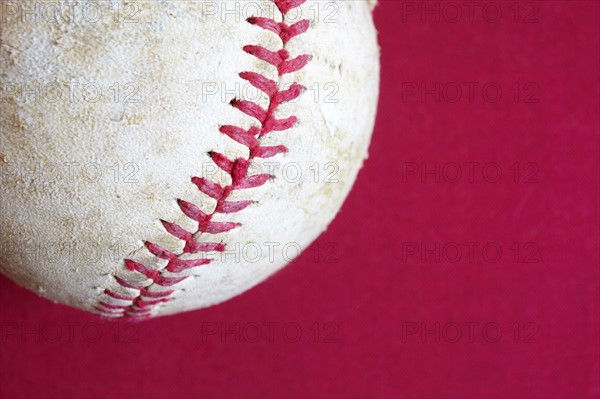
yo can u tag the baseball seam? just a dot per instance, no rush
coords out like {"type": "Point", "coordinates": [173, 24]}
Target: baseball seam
{"type": "Point", "coordinates": [141, 305]}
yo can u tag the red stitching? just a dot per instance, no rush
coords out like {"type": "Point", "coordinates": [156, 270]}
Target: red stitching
{"type": "Point", "coordinates": [140, 306]}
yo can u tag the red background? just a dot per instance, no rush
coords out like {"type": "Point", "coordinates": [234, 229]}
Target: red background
{"type": "Point", "coordinates": [371, 299]}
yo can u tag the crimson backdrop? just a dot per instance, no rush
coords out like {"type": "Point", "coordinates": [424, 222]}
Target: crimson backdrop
{"type": "Point", "coordinates": [457, 283]}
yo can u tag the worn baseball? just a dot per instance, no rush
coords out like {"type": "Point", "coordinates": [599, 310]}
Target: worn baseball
{"type": "Point", "coordinates": [164, 156]}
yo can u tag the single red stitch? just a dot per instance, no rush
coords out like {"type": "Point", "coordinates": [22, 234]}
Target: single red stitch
{"type": "Point", "coordinates": [159, 252]}
{"type": "Point", "coordinates": [155, 294]}
{"type": "Point", "coordinates": [192, 211]}
{"type": "Point", "coordinates": [250, 109]}
{"type": "Point", "coordinates": [238, 169]}
{"type": "Point", "coordinates": [118, 296]}
{"type": "Point", "coordinates": [232, 206]}
{"type": "Point", "coordinates": [217, 227]}
{"type": "Point", "coordinates": [128, 284]}
{"type": "Point", "coordinates": [262, 83]}
{"type": "Point", "coordinates": [252, 181]}
{"type": "Point", "coordinates": [247, 138]}
{"type": "Point", "coordinates": [208, 187]}
{"type": "Point", "coordinates": [168, 281]}
{"type": "Point", "coordinates": [193, 247]}
{"type": "Point", "coordinates": [266, 23]}
{"type": "Point", "coordinates": [178, 265]}
{"type": "Point", "coordinates": [176, 231]}
{"type": "Point", "coordinates": [273, 58]}
{"type": "Point", "coordinates": [273, 124]}
{"type": "Point", "coordinates": [106, 312]}
{"type": "Point", "coordinates": [268, 152]}
{"type": "Point", "coordinates": [221, 161]}
{"type": "Point", "coordinates": [111, 306]}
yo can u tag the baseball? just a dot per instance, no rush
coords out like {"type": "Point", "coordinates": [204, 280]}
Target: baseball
{"type": "Point", "coordinates": [164, 156]}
